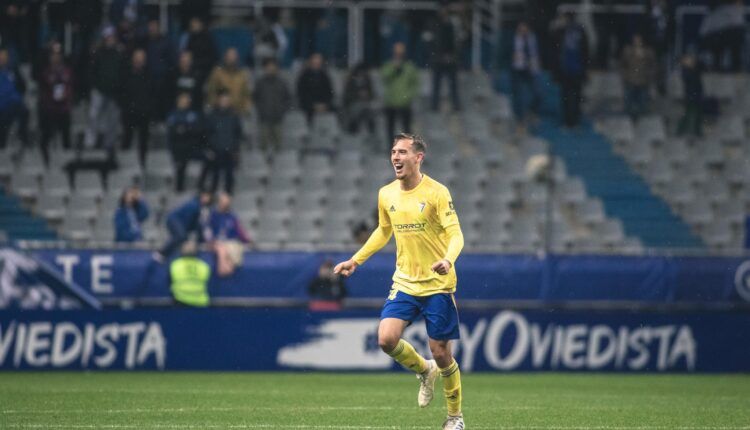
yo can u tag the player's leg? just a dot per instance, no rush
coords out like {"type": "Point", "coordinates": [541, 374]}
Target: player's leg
{"type": "Point", "coordinates": [389, 340]}
{"type": "Point", "coordinates": [441, 318]}
{"type": "Point", "coordinates": [400, 309]}
{"type": "Point", "coordinates": [449, 371]}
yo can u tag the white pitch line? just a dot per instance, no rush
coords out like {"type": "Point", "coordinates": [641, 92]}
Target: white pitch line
{"type": "Point", "coordinates": [231, 409]}
{"type": "Point", "coordinates": [353, 427]}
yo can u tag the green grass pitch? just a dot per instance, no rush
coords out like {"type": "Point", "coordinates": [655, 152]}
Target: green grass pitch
{"type": "Point", "coordinates": [372, 401]}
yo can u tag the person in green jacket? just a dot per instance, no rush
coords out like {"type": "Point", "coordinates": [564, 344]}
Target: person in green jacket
{"type": "Point", "coordinates": [401, 85]}
{"type": "Point", "coordinates": [189, 277]}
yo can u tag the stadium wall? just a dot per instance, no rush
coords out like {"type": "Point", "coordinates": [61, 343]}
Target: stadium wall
{"type": "Point", "coordinates": [118, 274]}
{"type": "Point", "coordinates": [293, 339]}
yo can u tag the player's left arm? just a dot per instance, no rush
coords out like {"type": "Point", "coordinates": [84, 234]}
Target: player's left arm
{"type": "Point", "coordinates": [449, 221]}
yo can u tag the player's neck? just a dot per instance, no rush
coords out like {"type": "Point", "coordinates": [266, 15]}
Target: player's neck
{"type": "Point", "coordinates": [411, 182]}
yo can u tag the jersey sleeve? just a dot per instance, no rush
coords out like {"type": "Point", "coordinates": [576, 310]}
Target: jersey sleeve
{"type": "Point", "coordinates": [446, 211]}
{"type": "Point", "coordinates": [449, 222]}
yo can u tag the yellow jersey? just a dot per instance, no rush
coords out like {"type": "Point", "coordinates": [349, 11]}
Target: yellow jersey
{"type": "Point", "coordinates": [427, 230]}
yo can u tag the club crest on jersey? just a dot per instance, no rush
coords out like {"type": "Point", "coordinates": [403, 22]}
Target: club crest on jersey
{"type": "Point", "coordinates": [422, 206]}
{"type": "Point", "coordinates": [392, 209]}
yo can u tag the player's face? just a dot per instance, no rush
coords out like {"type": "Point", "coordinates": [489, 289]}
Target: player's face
{"type": "Point", "coordinates": [404, 159]}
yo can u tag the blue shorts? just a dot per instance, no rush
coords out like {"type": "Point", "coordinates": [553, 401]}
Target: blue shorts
{"type": "Point", "coordinates": [439, 312]}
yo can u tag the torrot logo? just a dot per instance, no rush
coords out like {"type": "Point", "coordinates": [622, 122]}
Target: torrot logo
{"type": "Point", "coordinates": [410, 227]}
{"type": "Point", "coordinates": [742, 280]}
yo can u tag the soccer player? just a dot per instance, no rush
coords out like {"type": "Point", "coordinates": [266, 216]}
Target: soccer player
{"type": "Point", "coordinates": [420, 212]}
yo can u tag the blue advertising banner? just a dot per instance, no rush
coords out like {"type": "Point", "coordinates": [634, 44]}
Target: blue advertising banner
{"type": "Point", "coordinates": [27, 282]}
{"type": "Point", "coordinates": [652, 279]}
{"type": "Point", "coordinates": [294, 339]}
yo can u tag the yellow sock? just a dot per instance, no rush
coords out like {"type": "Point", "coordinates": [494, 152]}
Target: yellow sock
{"type": "Point", "coordinates": [452, 388]}
{"type": "Point", "coordinates": [407, 356]}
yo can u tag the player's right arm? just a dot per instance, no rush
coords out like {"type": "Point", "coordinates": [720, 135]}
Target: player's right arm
{"type": "Point", "coordinates": [378, 239]}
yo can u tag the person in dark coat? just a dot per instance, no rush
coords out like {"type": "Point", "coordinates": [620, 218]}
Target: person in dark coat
{"type": "Point", "coordinates": [190, 9]}
{"type": "Point", "coordinates": [190, 217]}
{"type": "Point", "coordinates": [692, 80]}
{"type": "Point", "coordinates": [314, 88]}
{"type": "Point", "coordinates": [445, 59]}
{"type": "Point", "coordinates": [86, 17]}
{"type": "Point", "coordinates": [130, 215]}
{"type": "Point", "coordinates": [160, 58]}
{"type": "Point", "coordinates": [572, 63]}
{"type": "Point", "coordinates": [186, 80]}
{"type": "Point", "coordinates": [55, 102]}
{"type": "Point", "coordinates": [358, 100]}
{"type": "Point", "coordinates": [105, 78]}
{"type": "Point", "coordinates": [199, 41]}
{"type": "Point", "coordinates": [137, 98]}
{"type": "Point", "coordinates": [272, 101]}
{"type": "Point", "coordinates": [184, 137]}
{"type": "Point", "coordinates": [327, 290]}
{"type": "Point", "coordinates": [12, 106]}
{"type": "Point", "coordinates": [224, 132]}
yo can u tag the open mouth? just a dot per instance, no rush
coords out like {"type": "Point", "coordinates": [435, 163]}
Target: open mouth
{"type": "Point", "coordinates": [399, 167]}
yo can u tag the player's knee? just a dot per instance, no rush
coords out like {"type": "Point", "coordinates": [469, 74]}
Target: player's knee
{"type": "Point", "coordinates": [387, 342]}
{"type": "Point", "coordinates": [441, 354]}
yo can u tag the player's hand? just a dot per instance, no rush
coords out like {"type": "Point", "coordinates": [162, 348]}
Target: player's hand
{"type": "Point", "coordinates": [346, 268]}
{"type": "Point", "coordinates": [442, 267]}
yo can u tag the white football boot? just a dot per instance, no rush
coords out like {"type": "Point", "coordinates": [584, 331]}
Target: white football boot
{"type": "Point", "coordinates": [427, 383]}
{"type": "Point", "coordinates": [454, 423]}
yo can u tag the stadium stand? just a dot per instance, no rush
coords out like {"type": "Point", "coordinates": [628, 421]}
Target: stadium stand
{"type": "Point", "coordinates": [301, 196]}
{"type": "Point", "coordinates": [705, 180]}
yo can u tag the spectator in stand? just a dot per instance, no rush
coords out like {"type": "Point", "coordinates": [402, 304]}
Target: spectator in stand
{"type": "Point", "coordinates": [660, 24]}
{"type": "Point", "coordinates": [327, 291]}
{"type": "Point", "coordinates": [572, 61]}
{"type": "Point", "coordinates": [12, 106]}
{"type": "Point", "coordinates": [106, 75]}
{"type": "Point", "coordinates": [184, 137]}
{"type": "Point", "coordinates": [14, 28]}
{"type": "Point", "coordinates": [232, 78]}
{"type": "Point", "coordinates": [137, 104]}
{"type": "Point", "coordinates": [55, 102]}
{"type": "Point", "coordinates": [130, 215]}
{"type": "Point", "coordinates": [691, 122]}
{"type": "Point", "coordinates": [190, 9]}
{"type": "Point", "coordinates": [358, 100]}
{"type": "Point", "coordinates": [224, 133]}
{"type": "Point", "coordinates": [186, 80]}
{"type": "Point", "coordinates": [189, 218]}
{"type": "Point", "coordinates": [723, 35]}
{"type": "Point", "coordinates": [314, 88]}
{"type": "Point", "coordinates": [86, 17]}
{"type": "Point", "coordinates": [401, 86]}
{"type": "Point", "coordinates": [445, 49]}
{"type": "Point", "coordinates": [611, 33]}
{"type": "Point", "coordinates": [524, 71]}
{"type": "Point", "coordinates": [272, 101]}
{"type": "Point", "coordinates": [271, 39]}
{"type": "Point", "coordinates": [160, 57]}
{"type": "Point", "coordinates": [199, 41]}
{"type": "Point", "coordinates": [638, 68]}
{"type": "Point", "coordinates": [41, 62]}
{"type": "Point", "coordinates": [227, 235]}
